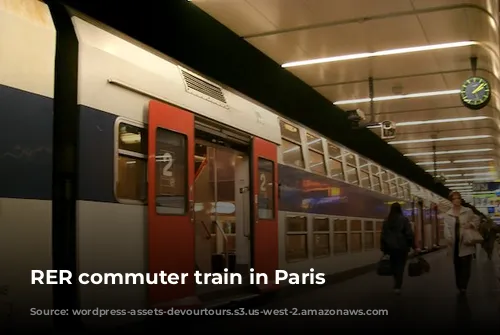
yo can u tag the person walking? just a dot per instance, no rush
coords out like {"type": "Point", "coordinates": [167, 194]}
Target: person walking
{"type": "Point", "coordinates": [396, 240]}
{"type": "Point", "coordinates": [456, 220]}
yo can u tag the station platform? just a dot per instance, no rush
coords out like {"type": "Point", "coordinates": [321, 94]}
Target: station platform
{"type": "Point", "coordinates": [429, 302]}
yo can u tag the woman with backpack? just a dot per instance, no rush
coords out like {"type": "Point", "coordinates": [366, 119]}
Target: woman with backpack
{"type": "Point", "coordinates": [396, 240]}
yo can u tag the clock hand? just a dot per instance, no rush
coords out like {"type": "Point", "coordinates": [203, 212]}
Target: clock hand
{"type": "Point", "coordinates": [478, 88]}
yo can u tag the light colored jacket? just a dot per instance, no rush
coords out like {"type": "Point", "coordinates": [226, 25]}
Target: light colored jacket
{"type": "Point", "coordinates": [466, 216]}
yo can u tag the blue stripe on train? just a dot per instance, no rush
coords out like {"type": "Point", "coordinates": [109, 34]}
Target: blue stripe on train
{"type": "Point", "coordinates": [96, 155]}
{"type": "Point", "coordinates": [305, 192]}
{"type": "Point", "coordinates": [26, 163]}
{"type": "Point", "coordinates": [26, 148]}
{"type": "Point", "coordinates": [25, 144]}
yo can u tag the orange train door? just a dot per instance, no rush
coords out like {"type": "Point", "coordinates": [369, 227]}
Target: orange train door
{"type": "Point", "coordinates": [265, 213]}
{"type": "Point", "coordinates": [170, 204]}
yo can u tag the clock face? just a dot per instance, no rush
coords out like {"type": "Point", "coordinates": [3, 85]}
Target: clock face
{"type": "Point", "coordinates": [475, 93]}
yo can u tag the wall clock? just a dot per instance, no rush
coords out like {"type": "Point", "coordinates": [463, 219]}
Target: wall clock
{"type": "Point", "coordinates": [475, 93]}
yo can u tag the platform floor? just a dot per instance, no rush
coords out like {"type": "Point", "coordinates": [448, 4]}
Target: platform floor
{"type": "Point", "coordinates": [429, 303]}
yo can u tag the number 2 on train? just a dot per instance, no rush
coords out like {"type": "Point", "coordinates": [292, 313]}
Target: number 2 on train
{"type": "Point", "coordinates": [262, 182]}
{"type": "Point", "coordinates": [168, 159]}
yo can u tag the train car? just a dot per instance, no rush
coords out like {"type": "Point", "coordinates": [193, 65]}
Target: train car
{"type": "Point", "coordinates": [27, 74]}
{"type": "Point", "coordinates": [157, 168]}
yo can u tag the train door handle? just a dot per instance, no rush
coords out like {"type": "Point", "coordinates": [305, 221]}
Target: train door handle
{"type": "Point", "coordinates": [256, 205]}
{"type": "Point", "coordinates": [191, 210]}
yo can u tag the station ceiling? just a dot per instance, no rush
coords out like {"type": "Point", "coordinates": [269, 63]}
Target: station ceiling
{"type": "Point", "coordinates": [335, 46]}
{"type": "Point", "coordinates": [244, 44]}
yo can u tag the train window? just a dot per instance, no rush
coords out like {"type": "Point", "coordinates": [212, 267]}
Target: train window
{"type": "Point", "coordinates": [378, 230]}
{"type": "Point", "coordinates": [407, 192]}
{"type": "Point", "coordinates": [355, 225]}
{"type": "Point", "coordinates": [296, 224]}
{"type": "Point", "coordinates": [355, 236]}
{"type": "Point", "coordinates": [365, 180]}
{"type": "Point", "coordinates": [334, 152]}
{"type": "Point", "coordinates": [350, 159]}
{"type": "Point", "coordinates": [352, 175]}
{"type": "Point", "coordinates": [340, 244]}
{"type": "Point", "coordinates": [369, 237]}
{"type": "Point", "coordinates": [401, 192]}
{"type": "Point", "coordinates": [336, 169]}
{"type": "Point", "coordinates": [321, 238]}
{"type": "Point", "coordinates": [377, 186]}
{"type": "Point", "coordinates": [316, 159]}
{"type": "Point", "coordinates": [377, 237]}
{"type": "Point", "coordinates": [394, 189]}
{"type": "Point", "coordinates": [314, 143]}
{"type": "Point", "coordinates": [364, 168]}
{"type": "Point", "coordinates": [292, 154]}
{"type": "Point", "coordinates": [132, 138]}
{"type": "Point", "coordinates": [266, 189]}
{"type": "Point", "coordinates": [170, 176]}
{"type": "Point", "coordinates": [355, 239]}
{"type": "Point", "coordinates": [321, 225]}
{"type": "Point", "coordinates": [340, 225]}
{"type": "Point", "coordinates": [321, 245]}
{"type": "Point", "coordinates": [289, 132]}
{"type": "Point", "coordinates": [296, 238]}
{"type": "Point", "coordinates": [364, 165]}
{"type": "Point", "coordinates": [317, 162]}
{"type": "Point", "coordinates": [132, 163]}
{"type": "Point", "coordinates": [385, 184]}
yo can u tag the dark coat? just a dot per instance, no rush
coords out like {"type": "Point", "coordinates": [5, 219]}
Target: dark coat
{"type": "Point", "coordinates": [396, 236]}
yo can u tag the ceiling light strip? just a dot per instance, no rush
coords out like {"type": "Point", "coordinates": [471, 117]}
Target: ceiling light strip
{"type": "Point", "coordinates": [425, 140]}
{"type": "Point", "coordinates": [473, 160]}
{"type": "Point", "coordinates": [480, 174]}
{"type": "Point", "coordinates": [462, 119]}
{"type": "Point", "coordinates": [480, 192]}
{"type": "Point", "coordinates": [460, 169]}
{"type": "Point", "coordinates": [397, 97]}
{"type": "Point", "coordinates": [380, 53]}
{"type": "Point", "coordinates": [449, 152]}
{"type": "Point", "coordinates": [431, 163]}
{"type": "Point", "coordinates": [469, 179]}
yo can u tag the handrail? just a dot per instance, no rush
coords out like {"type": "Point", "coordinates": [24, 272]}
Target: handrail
{"type": "Point", "coordinates": [226, 252]}
{"type": "Point", "coordinates": [204, 163]}
{"type": "Point", "coordinates": [209, 235]}
{"type": "Point", "coordinates": [246, 225]}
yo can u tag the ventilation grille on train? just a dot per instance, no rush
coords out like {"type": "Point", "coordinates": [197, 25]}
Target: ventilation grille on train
{"type": "Point", "coordinates": [204, 89]}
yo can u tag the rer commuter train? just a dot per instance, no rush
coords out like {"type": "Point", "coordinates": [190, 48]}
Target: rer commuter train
{"type": "Point", "coordinates": [142, 165]}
